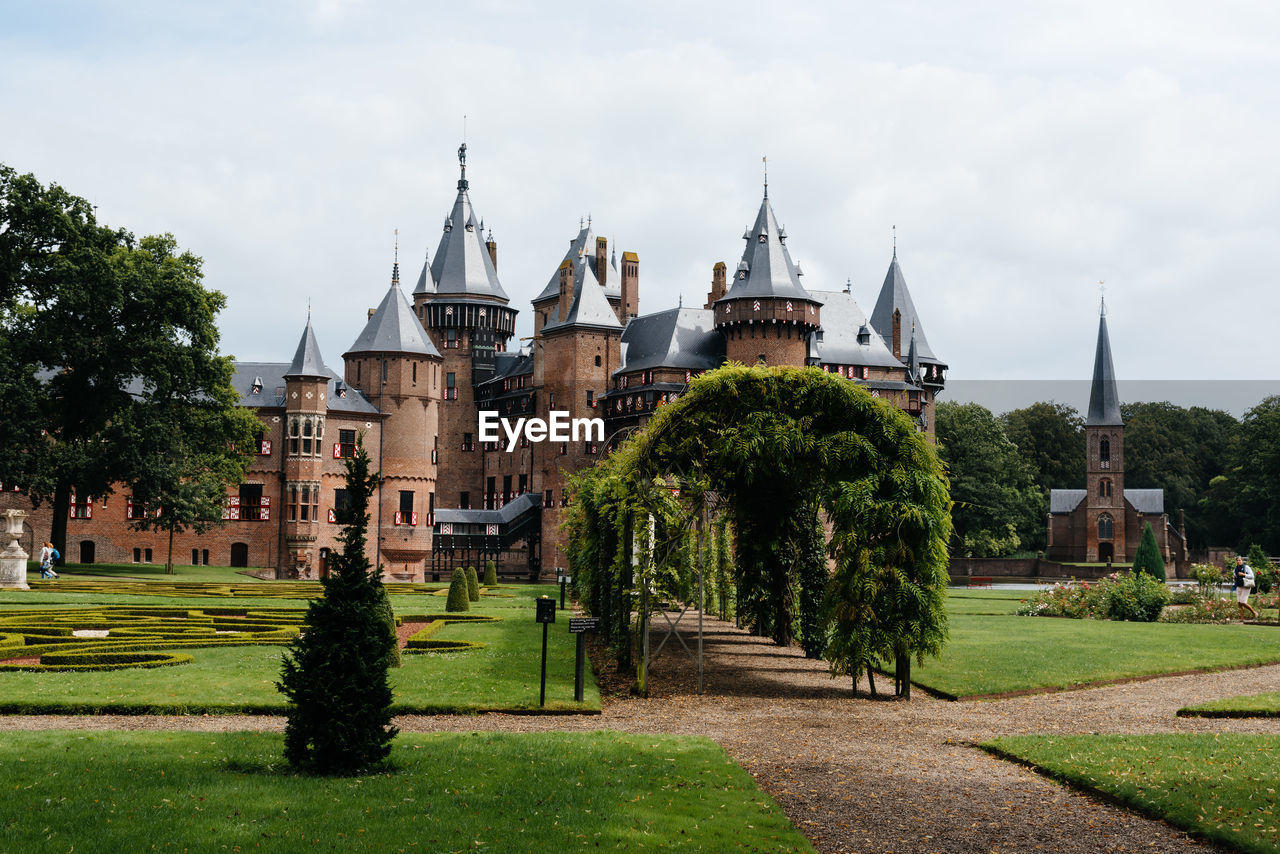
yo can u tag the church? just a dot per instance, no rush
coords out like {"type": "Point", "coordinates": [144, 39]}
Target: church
{"type": "Point", "coordinates": [412, 384]}
{"type": "Point", "coordinates": [1103, 522]}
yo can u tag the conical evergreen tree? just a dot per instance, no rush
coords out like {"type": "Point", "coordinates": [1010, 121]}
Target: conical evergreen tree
{"type": "Point", "coordinates": [1147, 558]}
{"type": "Point", "coordinates": [459, 599]}
{"type": "Point", "coordinates": [335, 674]}
{"type": "Point", "coordinates": [473, 585]}
{"type": "Point", "coordinates": [490, 574]}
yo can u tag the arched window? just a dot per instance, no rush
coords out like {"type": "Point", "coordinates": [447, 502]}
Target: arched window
{"type": "Point", "coordinates": [1105, 527]}
{"type": "Point", "coordinates": [1104, 488]}
{"type": "Point", "coordinates": [1104, 450]}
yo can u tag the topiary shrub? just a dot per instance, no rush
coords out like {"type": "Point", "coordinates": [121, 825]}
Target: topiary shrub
{"type": "Point", "coordinates": [473, 585]}
{"type": "Point", "coordinates": [490, 574]}
{"type": "Point", "coordinates": [335, 674]}
{"type": "Point", "coordinates": [1147, 558]}
{"type": "Point", "coordinates": [1136, 597]}
{"type": "Point", "coordinates": [459, 600]}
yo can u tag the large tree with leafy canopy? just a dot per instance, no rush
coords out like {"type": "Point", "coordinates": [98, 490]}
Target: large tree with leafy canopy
{"type": "Point", "coordinates": [109, 364]}
{"type": "Point", "coordinates": [770, 443]}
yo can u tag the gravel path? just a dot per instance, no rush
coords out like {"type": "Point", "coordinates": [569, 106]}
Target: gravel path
{"type": "Point", "coordinates": [862, 775]}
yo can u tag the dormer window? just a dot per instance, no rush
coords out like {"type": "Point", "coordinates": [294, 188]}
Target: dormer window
{"type": "Point", "coordinates": [448, 225]}
{"type": "Point", "coordinates": [763, 237]}
{"type": "Point", "coordinates": [864, 336]}
{"type": "Point", "coordinates": [256, 388]}
{"type": "Point", "coordinates": [470, 227]}
{"type": "Point", "coordinates": [742, 270]}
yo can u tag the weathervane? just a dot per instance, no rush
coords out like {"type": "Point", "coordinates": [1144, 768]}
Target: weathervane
{"type": "Point", "coordinates": [1102, 291]}
{"type": "Point", "coordinates": [765, 161]}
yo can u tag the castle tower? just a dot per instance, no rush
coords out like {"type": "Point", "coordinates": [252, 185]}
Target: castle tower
{"type": "Point", "coordinates": [1105, 535]}
{"type": "Point", "coordinates": [462, 306]}
{"type": "Point", "coordinates": [398, 369]}
{"type": "Point", "coordinates": [621, 287]}
{"type": "Point", "coordinates": [767, 315]}
{"type": "Point", "coordinates": [896, 320]}
{"type": "Point", "coordinates": [306, 386]}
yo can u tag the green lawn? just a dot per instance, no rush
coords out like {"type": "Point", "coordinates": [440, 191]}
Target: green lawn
{"type": "Point", "coordinates": [1248, 706]}
{"type": "Point", "coordinates": [1221, 786]}
{"type": "Point", "coordinates": [990, 654]}
{"type": "Point", "coordinates": [504, 675]}
{"type": "Point", "coordinates": [126, 791]}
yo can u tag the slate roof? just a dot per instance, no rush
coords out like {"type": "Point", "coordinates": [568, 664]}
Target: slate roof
{"type": "Point", "coordinates": [462, 264]}
{"type": "Point", "coordinates": [770, 272]}
{"type": "Point", "coordinates": [1065, 500]}
{"type": "Point", "coordinates": [589, 306]}
{"type": "Point", "coordinates": [683, 338]}
{"type": "Point", "coordinates": [503, 515]}
{"type": "Point", "coordinates": [394, 328]}
{"type": "Point", "coordinates": [1104, 397]}
{"type": "Point", "coordinates": [272, 374]}
{"type": "Point", "coordinates": [842, 320]}
{"type": "Point", "coordinates": [307, 361]}
{"type": "Point", "coordinates": [1149, 501]}
{"type": "Point", "coordinates": [584, 245]}
{"type": "Point", "coordinates": [894, 295]}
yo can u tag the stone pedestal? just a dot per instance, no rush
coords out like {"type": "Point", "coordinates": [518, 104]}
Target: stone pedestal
{"type": "Point", "coordinates": [13, 560]}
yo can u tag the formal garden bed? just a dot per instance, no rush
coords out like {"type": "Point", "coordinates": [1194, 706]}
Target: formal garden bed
{"type": "Point", "coordinates": [1221, 786]}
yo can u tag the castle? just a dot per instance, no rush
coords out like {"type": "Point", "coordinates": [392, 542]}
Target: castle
{"type": "Point", "coordinates": [413, 384]}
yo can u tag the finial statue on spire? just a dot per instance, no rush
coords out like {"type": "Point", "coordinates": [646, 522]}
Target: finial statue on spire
{"type": "Point", "coordinates": [462, 159]}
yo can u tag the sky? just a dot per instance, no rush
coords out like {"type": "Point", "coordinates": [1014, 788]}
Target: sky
{"type": "Point", "coordinates": [1025, 152]}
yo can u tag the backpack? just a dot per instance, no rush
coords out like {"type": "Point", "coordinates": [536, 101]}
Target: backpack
{"type": "Point", "coordinates": [1248, 575]}
{"type": "Point", "coordinates": [55, 556]}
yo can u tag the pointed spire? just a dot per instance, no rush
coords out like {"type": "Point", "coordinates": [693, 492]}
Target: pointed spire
{"type": "Point", "coordinates": [766, 268]}
{"type": "Point", "coordinates": [307, 361]}
{"type": "Point", "coordinates": [395, 266]}
{"type": "Point", "coordinates": [895, 243]}
{"type": "Point", "coordinates": [393, 328]}
{"type": "Point", "coordinates": [765, 161]}
{"type": "Point", "coordinates": [1104, 397]}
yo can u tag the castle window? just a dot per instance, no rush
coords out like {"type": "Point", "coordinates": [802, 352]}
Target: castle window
{"type": "Point", "coordinates": [451, 338]}
{"type": "Point", "coordinates": [346, 444]}
{"type": "Point", "coordinates": [467, 443]}
{"type": "Point", "coordinates": [406, 502]}
{"type": "Point", "coordinates": [1106, 527]}
{"type": "Point", "coordinates": [306, 437]}
{"type": "Point", "coordinates": [81, 508]}
{"type": "Point", "coordinates": [339, 500]}
{"type": "Point", "coordinates": [464, 501]}
{"type": "Point", "coordinates": [415, 372]}
{"type": "Point", "coordinates": [591, 395]}
{"type": "Point", "coordinates": [597, 361]}
{"type": "Point", "coordinates": [548, 499]}
{"type": "Point", "coordinates": [450, 386]}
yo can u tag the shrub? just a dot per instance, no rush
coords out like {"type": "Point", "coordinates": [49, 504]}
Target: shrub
{"type": "Point", "coordinates": [1213, 609]}
{"type": "Point", "coordinates": [1070, 600]}
{"type": "Point", "coordinates": [335, 674]}
{"type": "Point", "coordinates": [473, 585]}
{"type": "Point", "coordinates": [459, 600]}
{"type": "Point", "coordinates": [1264, 571]}
{"type": "Point", "coordinates": [1147, 558]}
{"type": "Point", "coordinates": [1207, 577]}
{"type": "Point", "coordinates": [490, 574]}
{"type": "Point", "coordinates": [1135, 596]}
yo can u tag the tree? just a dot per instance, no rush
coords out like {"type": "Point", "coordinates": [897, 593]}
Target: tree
{"type": "Point", "coordinates": [1147, 558]}
{"type": "Point", "coordinates": [1245, 498]}
{"type": "Point", "coordinates": [1050, 439]}
{"type": "Point", "coordinates": [998, 507]}
{"type": "Point", "coordinates": [109, 365]}
{"type": "Point", "coordinates": [335, 673]}
{"type": "Point", "coordinates": [459, 593]}
{"type": "Point", "coordinates": [490, 574]}
{"type": "Point", "coordinates": [1179, 450]}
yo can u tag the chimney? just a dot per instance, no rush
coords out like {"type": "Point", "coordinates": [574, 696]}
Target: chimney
{"type": "Point", "coordinates": [630, 285]}
{"type": "Point", "coordinates": [566, 288]}
{"type": "Point", "coordinates": [718, 285]}
{"type": "Point", "coordinates": [897, 334]}
{"type": "Point", "coordinates": [602, 261]}
{"type": "Point", "coordinates": [492, 246]}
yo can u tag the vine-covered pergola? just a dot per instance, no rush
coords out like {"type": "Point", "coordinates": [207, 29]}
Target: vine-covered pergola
{"type": "Point", "coordinates": [838, 505]}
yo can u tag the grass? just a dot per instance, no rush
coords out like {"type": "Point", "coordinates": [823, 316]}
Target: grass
{"type": "Point", "coordinates": [504, 675]}
{"type": "Point", "coordinates": [1220, 786]}
{"type": "Point", "coordinates": [1248, 706]}
{"type": "Point", "coordinates": [994, 654]}
{"type": "Point", "coordinates": [113, 791]}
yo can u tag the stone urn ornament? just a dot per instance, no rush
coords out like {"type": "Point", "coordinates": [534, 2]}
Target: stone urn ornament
{"type": "Point", "coordinates": [13, 560]}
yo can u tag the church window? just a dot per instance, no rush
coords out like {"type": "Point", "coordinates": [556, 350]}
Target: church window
{"type": "Point", "coordinates": [1106, 527]}
{"type": "Point", "coordinates": [1104, 452]}
{"type": "Point", "coordinates": [1104, 488]}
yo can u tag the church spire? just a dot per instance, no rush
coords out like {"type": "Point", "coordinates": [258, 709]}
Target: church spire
{"type": "Point", "coordinates": [1104, 398]}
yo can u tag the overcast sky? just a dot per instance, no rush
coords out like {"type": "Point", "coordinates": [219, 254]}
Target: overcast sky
{"type": "Point", "coordinates": [1024, 151]}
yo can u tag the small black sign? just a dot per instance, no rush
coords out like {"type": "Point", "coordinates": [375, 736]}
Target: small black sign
{"type": "Point", "coordinates": [583, 624]}
{"type": "Point", "coordinates": [546, 610]}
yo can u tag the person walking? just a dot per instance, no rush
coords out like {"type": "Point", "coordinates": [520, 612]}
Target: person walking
{"type": "Point", "coordinates": [47, 556]}
{"type": "Point", "coordinates": [1244, 579]}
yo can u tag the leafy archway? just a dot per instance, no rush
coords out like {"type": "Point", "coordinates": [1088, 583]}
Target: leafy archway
{"type": "Point", "coordinates": [780, 448]}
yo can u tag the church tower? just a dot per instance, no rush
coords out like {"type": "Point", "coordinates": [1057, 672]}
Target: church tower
{"type": "Point", "coordinates": [1105, 535]}
{"type": "Point", "coordinates": [767, 315]}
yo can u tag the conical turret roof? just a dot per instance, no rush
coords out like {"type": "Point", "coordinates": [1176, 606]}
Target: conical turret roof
{"type": "Point", "coordinates": [307, 362]}
{"type": "Point", "coordinates": [766, 269]}
{"type": "Point", "coordinates": [394, 328]}
{"type": "Point", "coordinates": [584, 245]}
{"type": "Point", "coordinates": [894, 295]}
{"type": "Point", "coordinates": [1104, 397]}
{"type": "Point", "coordinates": [462, 265]}
{"type": "Point", "coordinates": [589, 305]}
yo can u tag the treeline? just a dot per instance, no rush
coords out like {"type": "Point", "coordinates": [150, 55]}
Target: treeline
{"type": "Point", "coordinates": [1223, 473]}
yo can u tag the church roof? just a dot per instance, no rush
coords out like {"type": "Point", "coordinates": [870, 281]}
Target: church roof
{"type": "Point", "coordinates": [1065, 500]}
{"type": "Point", "coordinates": [462, 264]}
{"type": "Point", "coordinates": [307, 361]}
{"type": "Point", "coordinates": [1104, 398]}
{"type": "Point", "coordinates": [589, 305]}
{"type": "Point", "coordinates": [584, 245]}
{"type": "Point", "coordinates": [894, 295]}
{"type": "Point", "coordinates": [1147, 501]}
{"type": "Point", "coordinates": [683, 338]}
{"type": "Point", "coordinates": [842, 323]}
{"type": "Point", "coordinates": [766, 262]}
{"type": "Point", "coordinates": [394, 328]}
